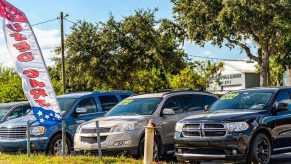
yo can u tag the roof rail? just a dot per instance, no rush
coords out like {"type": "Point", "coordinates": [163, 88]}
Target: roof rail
{"type": "Point", "coordinates": [183, 90]}
{"type": "Point", "coordinates": [100, 91]}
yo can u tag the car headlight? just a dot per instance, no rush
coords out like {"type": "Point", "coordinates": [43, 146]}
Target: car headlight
{"type": "Point", "coordinates": [123, 127]}
{"type": "Point", "coordinates": [237, 126]}
{"type": "Point", "coordinates": [179, 127]}
{"type": "Point", "coordinates": [37, 131]}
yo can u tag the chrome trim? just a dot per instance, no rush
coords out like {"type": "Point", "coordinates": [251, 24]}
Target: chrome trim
{"type": "Point", "coordinates": [282, 148]}
{"type": "Point", "coordinates": [200, 156]}
{"type": "Point", "coordinates": [2, 140]}
{"type": "Point", "coordinates": [201, 130]}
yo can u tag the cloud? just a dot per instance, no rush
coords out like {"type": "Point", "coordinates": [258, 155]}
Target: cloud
{"type": "Point", "coordinates": [47, 39]}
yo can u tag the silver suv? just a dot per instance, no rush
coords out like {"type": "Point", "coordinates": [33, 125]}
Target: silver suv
{"type": "Point", "coordinates": [123, 126]}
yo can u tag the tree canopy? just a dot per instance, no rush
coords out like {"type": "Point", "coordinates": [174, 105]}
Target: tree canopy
{"type": "Point", "coordinates": [235, 22]}
{"type": "Point", "coordinates": [137, 53]}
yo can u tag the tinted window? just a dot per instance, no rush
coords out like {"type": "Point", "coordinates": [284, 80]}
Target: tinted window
{"type": "Point", "coordinates": [107, 102]}
{"type": "Point", "coordinates": [282, 95]}
{"type": "Point", "coordinates": [26, 109]}
{"type": "Point", "coordinates": [175, 103]}
{"type": "Point", "coordinates": [193, 102]}
{"type": "Point", "coordinates": [123, 96]}
{"type": "Point", "coordinates": [135, 106]}
{"type": "Point", "coordinates": [66, 103]}
{"type": "Point", "coordinates": [208, 100]}
{"type": "Point", "coordinates": [89, 104]}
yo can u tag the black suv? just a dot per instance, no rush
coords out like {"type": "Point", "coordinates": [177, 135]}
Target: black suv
{"type": "Point", "coordinates": [247, 125]}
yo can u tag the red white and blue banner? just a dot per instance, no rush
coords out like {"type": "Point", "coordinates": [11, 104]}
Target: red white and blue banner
{"type": "Point", "coordinates": [29, 64]}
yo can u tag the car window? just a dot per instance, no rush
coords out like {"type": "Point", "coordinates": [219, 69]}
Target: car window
{"type": "Point", "coordinates": [135, 106]}
{"type": "Point", "coordinates": [191, 102]}
{"type": "Point", "coordinates": [282, 95]}
{"type": "Point", "coordinates": [107, 102]}
{"type": "Point", "coordinates": [17, 112]}
{"type": "Point", "coordinates": [123, 96]}
{"type": "Point", "coordinates": [195, 102]}
{"type": "Point", "coordinates": [174, 103]}
{"type": "Point", "coordinates": [26, 109]}
{"type": "Point", "coordinates": [255, 100]}
{"type": "Point", "coordinates": [89, 104]}
{"type": "Point", "coordinates": [208, 100]}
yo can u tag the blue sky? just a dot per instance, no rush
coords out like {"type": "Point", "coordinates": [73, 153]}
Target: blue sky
{"type": "Point", "coordinates": [95, 11]}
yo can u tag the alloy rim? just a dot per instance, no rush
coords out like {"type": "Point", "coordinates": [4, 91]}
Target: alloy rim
{"type": "Point", "coordinates": [57, 148]}
{"type": "Point", "coordinates": [263, 151]}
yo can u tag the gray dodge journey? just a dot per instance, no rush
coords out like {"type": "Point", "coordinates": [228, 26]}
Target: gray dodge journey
{"type": "Point", "coordinates": [123, 126]}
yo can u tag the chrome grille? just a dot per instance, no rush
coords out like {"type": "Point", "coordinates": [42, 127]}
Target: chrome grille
{"type": "Point", "coordinates": [92, 140]}
{"type": "Point", "coordinates": [18, 132]}
{"type": "Point", "coordinates": [204, 130]}
{"type": "Point", "coordinates": [93, 130]}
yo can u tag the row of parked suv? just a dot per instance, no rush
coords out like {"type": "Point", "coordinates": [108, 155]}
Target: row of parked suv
{"type": "Point", "coordinates": [247, 125]}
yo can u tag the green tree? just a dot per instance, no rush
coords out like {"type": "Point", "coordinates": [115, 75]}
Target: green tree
{"type": "Point", "coordinates": [198, 74]}
{"type": "Point", "coordinates": [11, 87]}
{"type": "Point", "coordinates": [276, 72]}
{"type": "Point", "coordinates": [108, 54]}
{"type": "Point", "coordinates": [56, 80]}
{"type": "Point", "coordinates": [233, 22]}
{"type": "Point", "coordinates": [147, 81]}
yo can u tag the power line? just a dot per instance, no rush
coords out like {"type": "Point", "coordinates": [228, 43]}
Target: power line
{"type": "Point", "coordinates": [43, 22]}
{"type": "Point", "coordinates": [68, 20]}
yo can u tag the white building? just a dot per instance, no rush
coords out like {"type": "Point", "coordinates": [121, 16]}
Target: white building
{"type": "Point", "coordinates": [237, 75]}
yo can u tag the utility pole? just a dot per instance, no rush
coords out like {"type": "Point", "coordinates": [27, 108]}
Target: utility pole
{"type": "Point", "coordinates": [63, 51]}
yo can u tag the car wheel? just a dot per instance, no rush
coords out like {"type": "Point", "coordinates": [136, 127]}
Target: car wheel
{"type": "Point", "coordinates": [156, 155]}
{"type": "Point", "coordinates": [55, 145]}
{"type": "Point", "coordinates": [260, 150]}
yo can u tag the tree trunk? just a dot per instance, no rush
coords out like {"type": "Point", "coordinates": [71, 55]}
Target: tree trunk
{"type": "Point", "coordinates": [264, 71]}
{"type": "Point", "coordinates": [289, 75]}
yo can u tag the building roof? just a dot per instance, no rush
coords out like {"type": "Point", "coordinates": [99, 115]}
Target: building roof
{"type": "Point", "coordinates": [239, 67]}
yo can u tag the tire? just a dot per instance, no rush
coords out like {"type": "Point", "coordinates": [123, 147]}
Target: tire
{"type": "Point", "coordinates": [55, 145]}
{"type": "Point", "coordinates": [260, 150]}
{"type": "Point", "coordinates": [157, 150]}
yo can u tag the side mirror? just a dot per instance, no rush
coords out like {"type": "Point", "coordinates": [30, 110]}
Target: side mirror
{"type": "Point", "coordinates": [168, 111]}
{"type": "Point", "coordinates": [81, 110]}
{"type": "Point", "coordinates": [281, 107]}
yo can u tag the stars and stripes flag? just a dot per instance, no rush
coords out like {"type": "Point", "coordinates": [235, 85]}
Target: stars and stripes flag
{"type": "Point", "coordinates": [29, 64]}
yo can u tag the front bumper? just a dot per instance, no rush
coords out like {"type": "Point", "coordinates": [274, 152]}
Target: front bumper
{"type": "Point", "coordinates": [229, 148]}
{"type": "Point", "coordinates": [119, 141]}
{"type": "Point", "coordinates": [14, 145]}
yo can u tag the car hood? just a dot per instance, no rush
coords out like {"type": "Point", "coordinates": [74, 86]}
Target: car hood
{"type": "Point", "coordinates": [115, 120]}
{"type": "Point", "coordinates": [18, 122]}
{"type": "Point", "coordinates": [226, 115]}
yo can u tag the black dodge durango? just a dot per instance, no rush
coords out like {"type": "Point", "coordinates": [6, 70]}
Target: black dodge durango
{"type": "Point", "coordinates": [247, 125]}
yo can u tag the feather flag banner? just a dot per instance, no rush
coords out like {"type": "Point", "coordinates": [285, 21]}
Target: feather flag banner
{"type": "Point", "coordinates": [29, 64]}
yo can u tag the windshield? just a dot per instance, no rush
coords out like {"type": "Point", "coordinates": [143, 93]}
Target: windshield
{"type": "Point", "coordinates": [243, 100]}
{"type": "Point", "coordinates": [138, 106]}
{"type": "Point", "coordinates": [66, 103]}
